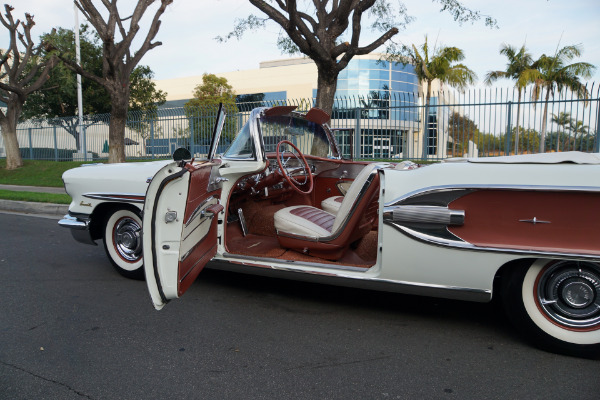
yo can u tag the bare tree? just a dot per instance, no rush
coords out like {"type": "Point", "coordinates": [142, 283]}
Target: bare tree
{"type": "Point", "coordinates": [22, 72]}
{"type": "Point", "coordinates": [321, 31]}
{"type": "Point", "coordinates": [118, 59]}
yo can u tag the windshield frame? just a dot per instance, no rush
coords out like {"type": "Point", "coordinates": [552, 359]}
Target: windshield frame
{"type": "Point", "coordinates": [258, 140]}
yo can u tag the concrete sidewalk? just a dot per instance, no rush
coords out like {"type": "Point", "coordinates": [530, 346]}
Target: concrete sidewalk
{"type": "Point", "coordinates": [39, 189]}
{"type": "Point", "coordinates": [27, 207]}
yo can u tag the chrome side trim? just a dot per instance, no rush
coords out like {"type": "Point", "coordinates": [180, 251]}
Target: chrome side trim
{"type": "Point", "coordinates": [462, 245]}
{"type": "Point", "coordinates": [455, 190]}
{"type": "Point", "coordinates": [332, 278]}
{"type": "Point", "coordinates": [263, 260]}
{"type": "Point", "coordinates": [423, 215]}
{"type": "Point", "coordinates": [128, 197]}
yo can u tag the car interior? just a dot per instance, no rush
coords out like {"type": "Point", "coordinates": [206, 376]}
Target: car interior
{"type": "Point", "coordinates": [335, 223]}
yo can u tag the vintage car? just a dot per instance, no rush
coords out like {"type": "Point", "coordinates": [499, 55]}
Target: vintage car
{"type": "Point", "coordinates": [281, 201]}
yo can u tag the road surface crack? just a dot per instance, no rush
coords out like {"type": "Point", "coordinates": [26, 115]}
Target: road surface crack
{"type": "Point", "coordinates": [47, 379]}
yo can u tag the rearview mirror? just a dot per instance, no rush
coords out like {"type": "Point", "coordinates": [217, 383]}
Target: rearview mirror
{"type": "Point", "coordinates": [182, 154]}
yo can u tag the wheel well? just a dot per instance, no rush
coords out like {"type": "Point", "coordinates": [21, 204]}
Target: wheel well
{"type": "Point", "coordinates": [101, 213]}
{"type": "Point", "coordinates": [503, 273]}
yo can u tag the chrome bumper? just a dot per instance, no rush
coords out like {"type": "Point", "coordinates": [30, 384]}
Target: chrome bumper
{"type": "Point", "coordinates": [80, 228]}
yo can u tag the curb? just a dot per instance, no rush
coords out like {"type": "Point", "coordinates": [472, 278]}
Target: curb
{"type": "Point", "coordinates": [27, 207]}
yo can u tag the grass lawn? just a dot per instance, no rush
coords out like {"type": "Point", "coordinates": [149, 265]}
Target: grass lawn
{"type": "Point", "coordinates": [36, 173]}
{"type": "Point", "coordinates": [35, 197]}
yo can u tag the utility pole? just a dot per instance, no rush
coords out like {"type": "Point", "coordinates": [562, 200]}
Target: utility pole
{"type": "Point", "coordinates": [79, 94]}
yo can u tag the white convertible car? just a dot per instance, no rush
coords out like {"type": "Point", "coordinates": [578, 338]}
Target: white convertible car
{"type": "Point", "coordinates": [281, 201]}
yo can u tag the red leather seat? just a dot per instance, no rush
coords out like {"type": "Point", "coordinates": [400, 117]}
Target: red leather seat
{"type": "Point", "coordinates": [313, 231]}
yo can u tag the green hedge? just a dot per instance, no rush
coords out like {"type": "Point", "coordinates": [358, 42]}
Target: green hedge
{"type": "Point", "coordinates": [44, 153]}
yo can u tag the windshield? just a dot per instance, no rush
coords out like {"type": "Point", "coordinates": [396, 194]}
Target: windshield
{"type": "Point", "coordinates": [242, 146]}
{"type": "Point", "coordinates": [309, 137]}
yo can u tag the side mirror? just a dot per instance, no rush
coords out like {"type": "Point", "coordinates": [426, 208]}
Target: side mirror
{"type": "Point", "coordinates": [182, 154]}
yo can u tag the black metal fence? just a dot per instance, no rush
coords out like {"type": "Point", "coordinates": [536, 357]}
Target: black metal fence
{"type": "Point", "coordinates": [477, 123]}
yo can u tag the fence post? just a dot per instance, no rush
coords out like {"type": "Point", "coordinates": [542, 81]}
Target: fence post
{"type": "Point", "coordinates": [357, 153]}
{"type": "Point", "coordinates": [508, 130]}
{"type": "Point", "coordinates": [192, 150]}
{"type": "Point", "coordinates": [55, 144]}
{"type": "Point", "coordinates": [597, 138]}
{"type": "Point", "coordinates": [84, 142]}
{"type": "Point", "coordinates": [152, 137]}
{"type": "Point", "coordinates": [30, 144]}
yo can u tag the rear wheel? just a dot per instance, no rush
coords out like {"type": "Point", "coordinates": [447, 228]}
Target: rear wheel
{"type": "Point", "coordinates": [123, 242]}
{"type": "Point", "coordinates": [556, 304]}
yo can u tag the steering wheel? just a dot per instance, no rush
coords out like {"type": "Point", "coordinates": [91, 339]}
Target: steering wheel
{"type": "Point", "coordinates": [288, 171]}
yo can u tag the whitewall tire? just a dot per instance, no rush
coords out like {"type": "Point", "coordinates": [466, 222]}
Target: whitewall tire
{"type": "Point", "coordinates": [556, 303]}
{"type": "Point", "coordinates": [123, 242]}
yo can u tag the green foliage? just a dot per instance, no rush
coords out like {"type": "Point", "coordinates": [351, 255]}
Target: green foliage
{"type": "Point", "coordinates": [58, 98]}
{"type": "Point", "coordinates": [213, 90]}
{"type": "Point", "coordinates": [555, 72]}
{"type": "Point", "coordinates": [462, 14]}
{"type": "Point", "coordinates": [439, 63]}
{"type": "Point", "coordinates": [202, 109]}
{"type": "Point", "coordinates": [45, 153]}
{"type": "Point", "coordinates": [57, 101]}
{"type": "Point", "coordinates": [518, 68]}
{"type": "Point", "coordinates": [461, 129]}
{"type": "Point", "coordinates": [144, 100]}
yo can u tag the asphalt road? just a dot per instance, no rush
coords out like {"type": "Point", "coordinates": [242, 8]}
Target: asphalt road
{"type": "Point", "coordinates": [71, 327]}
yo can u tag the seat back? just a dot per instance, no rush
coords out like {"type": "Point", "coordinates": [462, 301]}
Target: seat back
{"type": "Point", "coordinates": [354, 195]}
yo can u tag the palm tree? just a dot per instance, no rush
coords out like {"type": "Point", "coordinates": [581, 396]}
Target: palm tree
{"type": "Point", "coordinates": [440, 64]}
{"type": "Point", "coordinates": [564, 120]}
{"type": "Point", "coordinates": [577, 127]}
{"type": "Point", "coordinates": [554, 73]}
{"type": "Point", "coordinates": [519, 68]}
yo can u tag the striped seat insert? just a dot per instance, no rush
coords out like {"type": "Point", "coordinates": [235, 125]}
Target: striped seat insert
{"type": "Point", "coordinates": [316, 216]}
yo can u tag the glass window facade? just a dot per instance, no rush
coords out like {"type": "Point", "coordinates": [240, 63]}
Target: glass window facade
{"type": "Point", "coordinates": [247, 102]}
{"type": "Point", "coordinates": [380, 85]}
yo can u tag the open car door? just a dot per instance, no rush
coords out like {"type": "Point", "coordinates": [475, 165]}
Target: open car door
{"type": "Point", "coordinates": [180, 222]}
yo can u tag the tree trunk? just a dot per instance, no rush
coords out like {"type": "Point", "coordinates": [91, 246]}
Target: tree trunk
{"type": "Point", "coordinates": [544, 117]}
{"type": "Point", "coordinates": [8, 124]}
{"type": "Point", "coordinates": [116, 132]}
{"type": "Point", "coordinates": [326, 84]}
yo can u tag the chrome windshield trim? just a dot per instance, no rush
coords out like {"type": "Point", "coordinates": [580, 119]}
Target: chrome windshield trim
{"type": "Point", "coordinates": [128, 197]}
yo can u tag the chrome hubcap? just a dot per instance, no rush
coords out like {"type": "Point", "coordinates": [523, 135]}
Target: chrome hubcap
{"type": "Point", "coordinates": [569, 294]}
{"type": "Point", "coordinates": [127, 239]}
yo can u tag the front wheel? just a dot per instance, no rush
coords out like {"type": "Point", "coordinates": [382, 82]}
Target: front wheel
{"type": "Point", "coordinates": [556, 304]}
{"type": "Point", "coordinates": [123, 242]}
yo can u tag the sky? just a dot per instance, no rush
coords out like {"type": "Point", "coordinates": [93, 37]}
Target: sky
{"type": "Point", "coordinates": [189, 28]}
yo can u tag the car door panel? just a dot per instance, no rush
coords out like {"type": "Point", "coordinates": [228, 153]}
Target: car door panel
{"type": "Point", "coordinates": [180, 229]}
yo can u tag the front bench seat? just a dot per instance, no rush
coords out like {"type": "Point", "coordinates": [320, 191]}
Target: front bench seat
{"type": "Point", "coordinates": [313, 231]}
